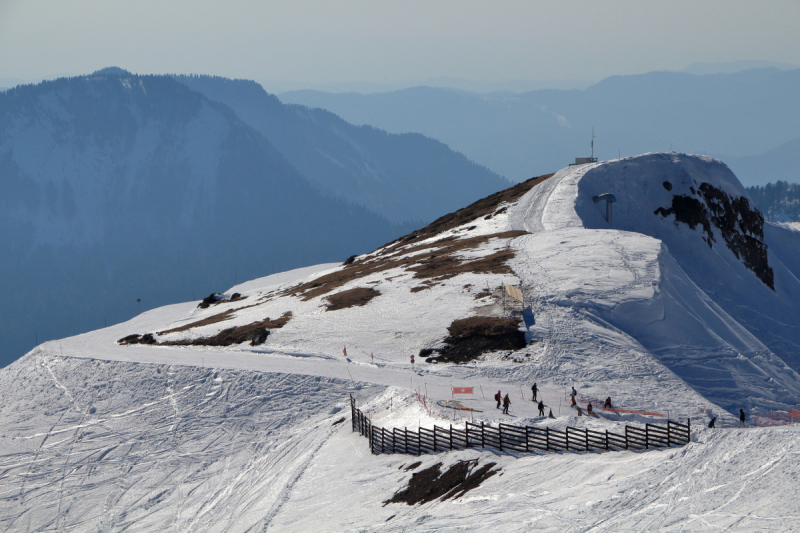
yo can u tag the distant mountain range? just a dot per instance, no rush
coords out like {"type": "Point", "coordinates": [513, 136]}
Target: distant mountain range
{"type": "Point", "coordinates": [116, 187]}
{"type": "Point", "coordinates": [403, 177]}
{"type": "Point", "coordinates": [730, 116]}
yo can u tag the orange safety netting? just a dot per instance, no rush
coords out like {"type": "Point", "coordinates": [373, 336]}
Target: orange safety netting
{"type": "Point", "coordinates": [631, 411]}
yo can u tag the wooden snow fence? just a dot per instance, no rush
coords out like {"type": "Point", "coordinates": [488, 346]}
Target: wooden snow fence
{"type": "Point", "coordinates": [506, 437]}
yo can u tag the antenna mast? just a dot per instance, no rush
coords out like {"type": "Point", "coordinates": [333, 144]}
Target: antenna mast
{"type": "Point", "coordinates": [592, 142]}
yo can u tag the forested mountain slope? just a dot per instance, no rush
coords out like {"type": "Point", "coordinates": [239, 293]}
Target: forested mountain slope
{"type": "Point", "coordinates": [403, 177]}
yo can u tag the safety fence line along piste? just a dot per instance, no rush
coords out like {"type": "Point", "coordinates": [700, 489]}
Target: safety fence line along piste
{"type": "Point", "coordinates": [505, 437]}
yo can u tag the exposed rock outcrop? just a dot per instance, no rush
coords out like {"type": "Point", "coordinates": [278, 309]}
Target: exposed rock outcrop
{"type": "Point", "coordinates": [740, 224]}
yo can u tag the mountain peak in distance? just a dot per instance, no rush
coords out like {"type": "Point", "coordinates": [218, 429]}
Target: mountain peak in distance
{"type": "Point", "coordinates": [112, 71]}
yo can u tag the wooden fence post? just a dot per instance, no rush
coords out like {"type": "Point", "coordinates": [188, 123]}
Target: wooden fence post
{"type": "Point", "coordinates": [419, 442]}
{"type": "Point", "coordinates": [547, 438]}
{"type": "Point", "coordinates": [566, 432]}
{"type": "Point", "coordinates": [626, 437]}
{"type": "Point", "coordinates": [434, 438]}
{"type": "Point", "coordinates": [500, 436]}
{"type": "Point", "coordinates": [451, 436]}
{"type": "Point", "coordinates": [646, 437]}
{"type": "Point", "coordinates": [586, 437]}
{"type": "Point", "coordinates": [688, 430]}
{"type": "Point", "coordinates": [405, 434]}
{"type": "Point", "coordinates": [527, 448]}
{"type": "Point", "coordinates": [466, 432]}
{"type": "Point", "coordinates": [606, 440]}
{"type": "Point", "coordinates": [483, 437]}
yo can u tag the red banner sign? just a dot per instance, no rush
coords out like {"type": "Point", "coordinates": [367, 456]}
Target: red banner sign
{"type": "Point", "coordinates": [462, 390]}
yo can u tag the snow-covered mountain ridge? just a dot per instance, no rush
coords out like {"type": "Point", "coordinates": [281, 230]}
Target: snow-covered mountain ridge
{"type": "Point", "coordinates": [199, 434]}
{"type": "Point", "coordinates": [652, 279]}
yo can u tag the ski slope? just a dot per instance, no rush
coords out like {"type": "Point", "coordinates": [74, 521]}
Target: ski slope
{"type": "Point", "coordinates": [99, 435]}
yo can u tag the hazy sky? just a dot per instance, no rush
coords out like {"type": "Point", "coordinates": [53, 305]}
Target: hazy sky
{"type": "Point", "coordinates": [313, 43]}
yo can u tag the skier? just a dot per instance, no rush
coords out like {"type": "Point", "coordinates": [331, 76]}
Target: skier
{"type": "Point", "coordinates": [499, 398]}
{"type": "Point", "coordinates": [551, 414]}
{"type": "Point", "coordinates": [607, 405]}
{"type": "Point", "coordinates": [711, 424]}
{"type": "Point", "coordinates": [574, 404]}
{"type": "Point", "coordinates": [741, 418]}
{"type": "Point", "coordinates": [506, 403]}
{"type": "Point", "coordinates": [534, 389]}
{"type": "Point", "coordinates": [589, 408]}
{"type": "Point", "coordinates": [574, 392]}
{"type": "Point", "coordinates": [541, 407]}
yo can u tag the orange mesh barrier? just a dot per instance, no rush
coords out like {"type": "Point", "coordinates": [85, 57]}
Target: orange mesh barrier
{"type": "Point", "coordinates": [630, 411]}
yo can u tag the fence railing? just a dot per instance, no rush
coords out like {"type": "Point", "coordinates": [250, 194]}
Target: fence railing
{"type": "Point", "coordinates": [506, 437]}
{"type": "Point", "coordinates": [777, 418]}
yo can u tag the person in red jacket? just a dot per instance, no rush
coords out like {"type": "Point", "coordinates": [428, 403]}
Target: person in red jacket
{"type": "Point", "coordinates": [499, 398]}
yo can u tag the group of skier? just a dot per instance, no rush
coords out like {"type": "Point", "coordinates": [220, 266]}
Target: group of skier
{"type": "Point", "coordinates": [506, 401]}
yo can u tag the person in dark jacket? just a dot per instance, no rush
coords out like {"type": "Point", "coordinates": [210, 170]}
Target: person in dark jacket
{"type": "Point", "coordinates": [607, 405]}
{"type": "Point", "coordinates": [499, 398]}
{"type": "Point", "coordinates": [589, 408]}
{"type": "Point", "coordinates": [534, 389]}
{"type": "Point", "coordinates": [506, 403]}
{"type": "Point", "coordinates": [711, 424]}
{"type": "Point", "coordinates": [741, 418]}
{"type": "Point", "coordinates": [541, 408]}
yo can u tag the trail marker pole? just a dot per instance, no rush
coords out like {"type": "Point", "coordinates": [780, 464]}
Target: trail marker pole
{"type": "Point", "coordinates": [138, 305]}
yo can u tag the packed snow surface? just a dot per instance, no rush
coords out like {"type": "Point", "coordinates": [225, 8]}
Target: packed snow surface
{"type": "Point", "coordinates": [99, 435]}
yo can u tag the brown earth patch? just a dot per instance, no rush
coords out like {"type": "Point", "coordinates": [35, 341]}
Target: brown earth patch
{"type": "Point", "coordinates": [474, 336]}
{"type": "Point", "coordinates": [485, 293]}
{"type": "Point", "coordinates": [351, 298]}
{"type": "Point", "coordinates": [213, 319]}
{"type": "Point", "coordinates": [430, 483]}
{"type": "Point", "coordinates": [256, 333]}
{"type": "Point", "coordinates": [419, 288]}
{"type": "Point", "coordinates": [442, 262]}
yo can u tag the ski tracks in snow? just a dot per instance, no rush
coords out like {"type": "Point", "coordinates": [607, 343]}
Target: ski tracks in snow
{"type": "Point", "coordinates": [166, 448]}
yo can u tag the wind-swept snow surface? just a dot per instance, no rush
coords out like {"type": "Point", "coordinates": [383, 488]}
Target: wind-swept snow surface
{"type": "Point", "coordinates": [685, 306]}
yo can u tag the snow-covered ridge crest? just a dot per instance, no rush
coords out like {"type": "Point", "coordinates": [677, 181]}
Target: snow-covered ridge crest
{"type": "Point", "coordinates": [652, 284]}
